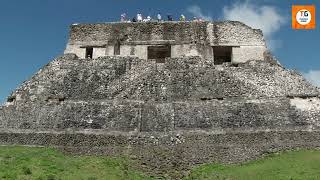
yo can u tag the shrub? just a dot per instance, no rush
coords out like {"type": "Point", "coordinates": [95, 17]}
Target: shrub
{"type": "Point", "coordinates": [26, 171]}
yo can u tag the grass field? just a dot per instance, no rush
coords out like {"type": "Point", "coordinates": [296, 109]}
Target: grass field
{"type": "Point", "coordinates": [49, 164]}
{"type": "Point", "coordinates": [303, 164]}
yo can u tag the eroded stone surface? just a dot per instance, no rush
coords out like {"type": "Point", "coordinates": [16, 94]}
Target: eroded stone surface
{"type": "Point", "coordinates": [183, 39]}
{"type": "Point", "coordinates": [169, 116]}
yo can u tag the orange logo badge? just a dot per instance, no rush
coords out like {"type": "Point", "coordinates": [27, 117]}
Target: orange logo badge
{"type": "Point", "coordinates": [303, 17]}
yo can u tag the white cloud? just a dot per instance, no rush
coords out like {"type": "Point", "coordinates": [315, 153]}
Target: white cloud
{"type": "Point", "coordinates": [266, 18]}
{"type": "Point", "coordinates": [197, 12]}
{"type": "Point", "coordinates": [313, 76]}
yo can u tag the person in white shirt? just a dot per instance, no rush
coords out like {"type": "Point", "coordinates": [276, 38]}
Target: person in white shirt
{"type": "Point", "coordinates": [139, 17]}
{"type": "Point", "coordinates": [159, 17]}
{"type": "Point", "coordinates": [123, 17]}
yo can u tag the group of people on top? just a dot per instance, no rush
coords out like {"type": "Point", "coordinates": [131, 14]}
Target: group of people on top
{"type": "Point", "coordinates": [139, 18]}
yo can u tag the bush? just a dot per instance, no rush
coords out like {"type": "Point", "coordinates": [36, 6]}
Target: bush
{"type": "Point", "coordinates": [26, 171]}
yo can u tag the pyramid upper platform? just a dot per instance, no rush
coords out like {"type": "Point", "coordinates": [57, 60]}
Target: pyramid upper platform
{"type": "Point", "coordinates": [241, 42]}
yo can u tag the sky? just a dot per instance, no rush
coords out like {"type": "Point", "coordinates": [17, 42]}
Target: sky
{"type": "Point", "coordinates": [34, 32]}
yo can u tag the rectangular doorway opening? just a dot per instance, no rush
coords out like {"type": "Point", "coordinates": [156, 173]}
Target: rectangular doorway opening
{"type": "Point", "coordinates": [159, 53]}
{"type": "Point", "coordinates": [117, 48]}
{"type": "Point", "coordinates": [222, 54]}
{"type": "Point", "coordinates": [89, 52]}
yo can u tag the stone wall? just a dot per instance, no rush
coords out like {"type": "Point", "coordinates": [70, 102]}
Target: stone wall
{"type": "Point", "coordinates": [171, 154]}
{"type": "Point", "coordinates": [169, 116]}
{"type": "Point", "coordinates": [242, 54]}
{"type": "Point", "coordinates": [142, 33]}
{"type": "Point", "coordinates": [214, 116]}
{"type": "Point", "coordinates": [178, 79]}
{"type": "Point", "coordinates": [130, 94]}
{"type": "Point", "coordinates": [185, 38]}
{"type": "Point", "coordinates": [234, 33]}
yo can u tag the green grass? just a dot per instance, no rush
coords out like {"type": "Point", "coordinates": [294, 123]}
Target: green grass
{"type": "Point", "coordinates": [48, 164]}
{"type": "Point", "coordinates": [303, 164]}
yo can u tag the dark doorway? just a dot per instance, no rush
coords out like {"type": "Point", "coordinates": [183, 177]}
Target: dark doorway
{"type": "Point", "coordinates": [222, 54]}
{"type": "Point", "coordinates": [159, 53]}
{"type": "Point", "coordinates": [89, 52]}
{"type": "Point", "coordinates": [117, 48]}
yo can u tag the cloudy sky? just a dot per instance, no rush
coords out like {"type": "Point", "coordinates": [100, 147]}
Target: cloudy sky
{"type": "Point", "coordinates": [33, 32]}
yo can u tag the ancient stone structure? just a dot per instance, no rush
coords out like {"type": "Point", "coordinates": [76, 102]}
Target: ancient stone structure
{"type": "Point", "coordinates": [171, 115]}
{"type": "Point", "coordinates": [218, 41]}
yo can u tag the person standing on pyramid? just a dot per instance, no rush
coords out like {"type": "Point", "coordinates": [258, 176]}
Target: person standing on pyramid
{"type": "Point", "coordinates": [139, 17]}
{"type": "Point", "coordinates": [123, 17]}
{"type": "Point", "coordinates": [159, 17]}
{"type": "Point", "coordinates": [182, 18]}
